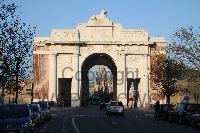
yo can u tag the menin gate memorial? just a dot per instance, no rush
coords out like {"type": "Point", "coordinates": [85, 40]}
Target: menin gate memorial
{"type": "Point", "coordinates": [62, 61]}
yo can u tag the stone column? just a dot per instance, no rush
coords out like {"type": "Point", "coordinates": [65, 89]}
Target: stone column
{"type": "Point", "coordinates": [146, 79]}
{"type": "Point", "coordinates": [75, 100]}
{"type": "Point", "coordinates": [52, 77]}
{"type": "Point", "coordinates": [125, 74]}
{"type": "Point", "coordinates": [121, 89]}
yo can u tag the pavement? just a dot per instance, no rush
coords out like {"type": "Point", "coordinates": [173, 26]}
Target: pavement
{"type": "Point", "coordinates": [91, 120]}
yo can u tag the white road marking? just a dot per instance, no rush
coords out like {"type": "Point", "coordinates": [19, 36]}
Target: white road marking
{"type": "Point", "coordinates": [75, 127]}
{"type": "Point", "coordinates": [114, 123]}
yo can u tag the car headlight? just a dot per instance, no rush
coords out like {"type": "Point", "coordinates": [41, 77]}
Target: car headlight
{"type": "Point", "coordinates": [120, 109]}
{"type": "Point", "coordinates": [27, 124]}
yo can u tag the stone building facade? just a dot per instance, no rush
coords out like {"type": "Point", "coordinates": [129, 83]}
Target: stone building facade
{"type": "Point", "coordinates": [62, 61]}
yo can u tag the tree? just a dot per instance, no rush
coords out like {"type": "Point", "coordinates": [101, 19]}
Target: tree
{"type": "Point", "coordinates": [165, 74]}
{"type": "Point", "coordinates": [185, 47]}
{"type": "Point", "coordinates": [6, 12]}
{"type": "Point", "coordinates": [15, 47]}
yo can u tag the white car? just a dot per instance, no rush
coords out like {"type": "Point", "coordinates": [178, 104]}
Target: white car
{"type": "Point", "coordinates": [115, 107]}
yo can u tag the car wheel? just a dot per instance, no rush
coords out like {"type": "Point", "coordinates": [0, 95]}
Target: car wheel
{"type": "Point", "coordinates": [108, 114]}
{"type": "Point", "coordinates": [170, 118]}
{"type": "Point", "coordinates": [122, 114]}
{"type": "Point", "coordinates": [192, 123]}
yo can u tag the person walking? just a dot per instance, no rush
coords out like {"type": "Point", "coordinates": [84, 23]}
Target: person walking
{"type": "Point", "coordinates": [135, 104]}
{"type": "Point", "coordinates": [136, 95]}
{"type": "Point", "coordinates": [157, 110]}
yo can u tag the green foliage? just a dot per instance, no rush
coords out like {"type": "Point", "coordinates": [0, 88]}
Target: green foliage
{"type": "Point", "coordinates": [185, 47]}
{"type": "Point", "coordinates": [15, 47]}
{"type": "Point", "coordinates": [165, 74]}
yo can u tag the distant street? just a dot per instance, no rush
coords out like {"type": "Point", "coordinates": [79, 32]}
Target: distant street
{"type": "Point", "coordinates": [91, 120]}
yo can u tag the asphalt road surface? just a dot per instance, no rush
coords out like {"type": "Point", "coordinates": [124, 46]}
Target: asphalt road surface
{"type": "Point", "coordinates": [91, 120]}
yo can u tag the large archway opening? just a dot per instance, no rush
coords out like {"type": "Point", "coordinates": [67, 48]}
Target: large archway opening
{"type": "Point", "coordinates": [90, 61]}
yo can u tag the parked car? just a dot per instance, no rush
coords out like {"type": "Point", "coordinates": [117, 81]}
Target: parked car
{"type": "Point", "coordinates": [104, 102]}
{"type": "Point", "coordinates": [195, 120]}
{"type": "Point", "coordinates": [45, 110]}
{"type": "Point", "coordinates": [183, 112]}
{"type": "Point", "coordinates": [164, 111]}
{"type": "Point", "coordinates": [94, 100]}
{"type": "Point", "coordinates": [115, 107]}
{"type": "Point", "coordinates": [15, 118]}
{"type": "Point", "coordinates": [36, 114]}
{"type": "Point", "coordinates": [52, 104]}
{"type": "Point", "coordinates": [103, 105]}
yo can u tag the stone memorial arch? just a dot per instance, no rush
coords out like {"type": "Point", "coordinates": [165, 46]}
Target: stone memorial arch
{"type": "Point", "coordinates": [62, 61]}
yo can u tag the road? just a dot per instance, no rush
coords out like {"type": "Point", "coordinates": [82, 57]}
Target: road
{"type": "Point", "coordinates": [91, 120]}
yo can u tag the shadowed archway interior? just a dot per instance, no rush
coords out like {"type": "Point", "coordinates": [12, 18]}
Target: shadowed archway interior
{"type": "Point", "coordinates": [90, 61]}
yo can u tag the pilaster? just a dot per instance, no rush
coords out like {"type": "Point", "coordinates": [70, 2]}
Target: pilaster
{"type": "Point", "coordinates": [52, 77]}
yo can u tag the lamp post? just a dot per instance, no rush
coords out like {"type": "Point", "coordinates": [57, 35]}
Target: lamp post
{"type": "Point", "coordinates": [1, 79]}
{"type": "Point", "coordinates": [32, 88]}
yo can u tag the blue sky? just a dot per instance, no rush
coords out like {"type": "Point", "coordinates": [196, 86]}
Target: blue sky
{"type": "Point", "coordinates": [159, 17]}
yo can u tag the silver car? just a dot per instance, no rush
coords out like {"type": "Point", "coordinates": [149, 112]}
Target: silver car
{"type": "Point", "coordinates": [115, 107]}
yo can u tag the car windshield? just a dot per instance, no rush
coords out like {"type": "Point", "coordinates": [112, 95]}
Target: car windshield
{"type": "Point", "coordinates": [10, 111]}
{"type": "Point", "coordinates": [34, 108]}
{"type": "Point", "coordinates": [193, 107]}
{"type": "Point", "coordinates": [116, 104]}
{"type": "Point", "coordinates": [43, 105]}
{"type": "Point", "coordinates": [105, 100]}
{"type": "Point", "coordinates": [168, 106]}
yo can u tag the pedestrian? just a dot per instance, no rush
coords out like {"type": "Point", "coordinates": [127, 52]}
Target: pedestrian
{"type": "Point", "coordinates": [135, 103]}
{"type": "Point", "coordinates": [63, 103]}
{"type": "Point", "coordinates": [157, 110]}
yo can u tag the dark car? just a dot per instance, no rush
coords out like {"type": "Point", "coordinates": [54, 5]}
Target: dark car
{"type": "Point", "coordinates": [36, 114]}
{"type": "Point", "coordinates": [45, 109]}
{"type": "Point", "coordinates": [164, 111]}
{"type": "Point", "coordinates": [103, 105]}
{"type": "Point", "coordinates": [115, 107]}
{"type": "Point", "coordinates": [94, 100]}
{"type": "Point", "coordinates": [52, 104]}
{"type": "Point", "coordinates": [15, 118]}
{"type": "Point", "coordinates": [104, 102]}
{"type": "Point", "coordinates": [195, 120]}
{"type": "Point", "coordinates": [183, 112]}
